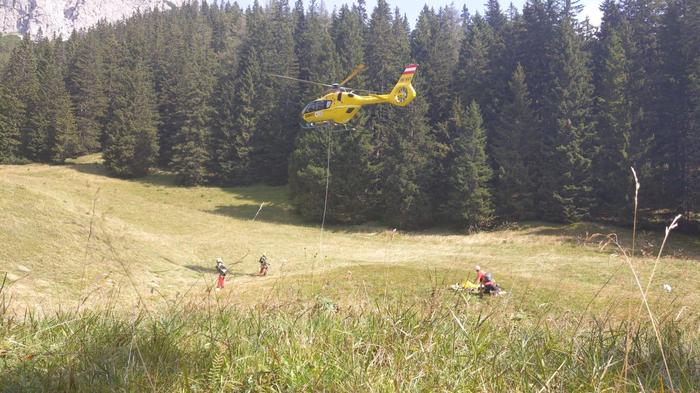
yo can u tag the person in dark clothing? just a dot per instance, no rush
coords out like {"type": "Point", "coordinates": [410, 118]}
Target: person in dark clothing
{"type": "Point", "coordinates": [490, 286]}
{"type": "Point", "coordinates": [264, 265]}
{"type": "Point", "coordinates": [221, 268]}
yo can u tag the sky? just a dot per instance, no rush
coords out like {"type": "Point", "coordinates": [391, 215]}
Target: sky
{"type": "Point", "coordinates": [412, 8]}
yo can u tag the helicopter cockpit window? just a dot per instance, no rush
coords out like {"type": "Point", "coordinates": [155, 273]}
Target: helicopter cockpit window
{"type": "Point", "coordinates": [317, 106]}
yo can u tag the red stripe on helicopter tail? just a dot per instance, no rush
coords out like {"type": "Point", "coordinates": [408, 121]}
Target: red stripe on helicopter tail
{"type": "Point", "coordinates": [410, 69]}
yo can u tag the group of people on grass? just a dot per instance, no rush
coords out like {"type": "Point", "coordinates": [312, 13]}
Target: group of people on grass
{"type": "Point", "coordinates": [484, 280]}
{"type": "Point", "coordinates": [222, 270]}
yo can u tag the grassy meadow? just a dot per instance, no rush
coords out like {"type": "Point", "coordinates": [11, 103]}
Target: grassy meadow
{"type": "Point", "coordinates": [108, 288]}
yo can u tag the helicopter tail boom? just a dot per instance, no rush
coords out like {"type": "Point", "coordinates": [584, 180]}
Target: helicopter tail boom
{"type": "Point", "coordinates": [403, 93]}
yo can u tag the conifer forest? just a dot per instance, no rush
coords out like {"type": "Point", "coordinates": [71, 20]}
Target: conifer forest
{"type": "Point", "coordinates": [521, 114]}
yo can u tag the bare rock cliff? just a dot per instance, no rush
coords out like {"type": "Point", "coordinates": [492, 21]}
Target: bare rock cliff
{"type": "Point", "coordinates": [63, 16]}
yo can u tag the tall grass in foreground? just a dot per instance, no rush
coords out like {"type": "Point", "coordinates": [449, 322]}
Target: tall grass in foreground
{"type": "Point", "coordinates": [445, 343]}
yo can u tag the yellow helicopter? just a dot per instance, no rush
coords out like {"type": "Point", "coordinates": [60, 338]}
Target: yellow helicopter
{"type": "Point", "coordinates": [340, 104]}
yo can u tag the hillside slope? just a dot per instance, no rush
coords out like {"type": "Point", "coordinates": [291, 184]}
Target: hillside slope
{"type": "Point", "coordinates": [150, 239]}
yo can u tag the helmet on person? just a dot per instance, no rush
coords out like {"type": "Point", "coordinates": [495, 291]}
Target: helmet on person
{"type": "Point", "coordinates": [219, 260]}
{"type": "Point", "coordinates": [477, 268]}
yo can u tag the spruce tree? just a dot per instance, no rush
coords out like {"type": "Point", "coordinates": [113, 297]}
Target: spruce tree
{"type": "Point", "coordinates": [56, 107]}
{"type": "Point", "coordinates": [612, 181]}
{"type": "Point", "coordinates": [512, 146]}
{"type": "Point", "coordinates": [693, 49]}
{"type": "Point", "coordinates": [348, 31]}
{"type": "Point", "coordinates": [673, 138]}
{"type": "Point", "coordinates": [348, 198]}
{"type": "Point", "coordinates": [190, 148]}
{"type": "Point", "coordinates": [272, 35]}
{"type": "Point", "coordinates": [564, 193]}
{"type": "Point", "coordinates": [85, 84]}
{"type": "Point", "coordinates": [235, 121]}
{"type": "Point", "coordinates": [435, 46]}
{"type": "Point", "coordinates": [474, 71]}
{"type": "Point", "coordinates": [10, 110]}
{"type": "Point", "coordinates": [406, 174]}
{"type": "Point", "coordinates": [131, 145]}
{"type": "Point", "coordinates": [640, 35]}
{"type": "Point", "coordinates": [468, 197]}
{"type": "Point", "coordinates": [494, 16]}
{"type": "Point", "coordinates": [21, 77]}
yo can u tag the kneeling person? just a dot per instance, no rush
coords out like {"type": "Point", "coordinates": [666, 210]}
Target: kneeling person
{"type": "Point", "coordinates": [264, 265]}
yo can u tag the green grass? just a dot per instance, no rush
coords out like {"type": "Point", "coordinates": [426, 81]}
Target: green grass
{"type": "Point", "coordinates": [440, 342]}
{"type": "Point", "coordinates": [120, 299]}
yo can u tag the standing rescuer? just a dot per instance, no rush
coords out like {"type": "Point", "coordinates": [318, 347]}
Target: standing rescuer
{"type": "Point", "coordinates": [221, 268]}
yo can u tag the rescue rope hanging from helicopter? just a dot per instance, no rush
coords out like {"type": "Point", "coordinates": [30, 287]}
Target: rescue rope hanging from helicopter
{"type": "Point", "coordinates": [340, 104]}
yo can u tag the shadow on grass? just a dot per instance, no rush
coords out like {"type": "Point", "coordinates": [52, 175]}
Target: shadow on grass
{"type": "Point", "coordinates": [649, 239]}
{"type": "Point", "coordinates": [162, 179]}
{"type": "Point", "coordinates": [212, 270]}
{"type": "Point", "coordinates": [270, 213]}
{"type": "Point", "coordinates": [201, 269]}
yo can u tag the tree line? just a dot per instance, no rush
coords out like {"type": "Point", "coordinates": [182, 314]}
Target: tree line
{"type": "Point", "coordinates": [521, 114]}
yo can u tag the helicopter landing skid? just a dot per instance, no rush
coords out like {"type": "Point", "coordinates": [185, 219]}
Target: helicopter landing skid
{"type": "Point", "coordinates": [331, 125]}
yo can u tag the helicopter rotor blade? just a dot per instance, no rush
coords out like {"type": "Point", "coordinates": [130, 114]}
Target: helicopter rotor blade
{"type": "Point", "coordinates": [359, 68]}
{"type": "Point", "coordinates": [301, 80]}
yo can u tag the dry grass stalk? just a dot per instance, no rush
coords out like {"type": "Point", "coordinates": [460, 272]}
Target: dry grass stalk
{"type": "Point", "coordinates": [643, 292]}
{"type": "Point", "coordinates": [674, 224]}
{"type": "Point", "coordinates": [636, 204]}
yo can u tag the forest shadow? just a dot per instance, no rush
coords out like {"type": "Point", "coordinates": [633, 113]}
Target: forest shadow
{"type": "Point", "coordinates": [649, 237]}
{"type": "Point", "coordinates": [158, 178]}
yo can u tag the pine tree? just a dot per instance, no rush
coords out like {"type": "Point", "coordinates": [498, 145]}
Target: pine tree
{"type": "Point", "coordinates": [273, 38]}
{"type": "Point", "coordinates": [131, 146]}
{"type": "Point", "coordinates": [693, 49]}
{"type": "Point", "coordinates": [21, 78]}
{"type": "Point", "coordinates": [640, 36]}
{"type": "Point", "coordinates": [564, 190]}
{"type": "Point", "coordinates": [235, 122]}
{"type": "Point", "coordinates": [468, 197]}
{"type": "Point", "coordinates": [534, 48]}
{"type": "Point", "coordinates": [435, 46]}
{"type": "Point", "coordinates": [387, 51]}
{"type": "Point", "coordinates": [474, 71]}
{"type": "Point", "coordinates": [406, 174]}
{"type": "Point", "coordinates": [56, 107]}
{"type": "Point", "coordinates": [612, 180]}
{"type": "Point", "coordinates": [674, 108]}
{"type": "Point", "coordinates": [348, 198]}
{"type": "Point", "coordinates": [348, 32]}
{"type": "Point", "coordinates": [190, 149]}
{"type": "Point", "coordinates": [86, 88]}
{"type": "Point", "coordinates": [167, 106]}
{"type": "Point", "coordinates": [494, 16]}
{"type": "Point", "coordinates": [10, 110]}
{"type": "Point", "coordinates": [512, 145]}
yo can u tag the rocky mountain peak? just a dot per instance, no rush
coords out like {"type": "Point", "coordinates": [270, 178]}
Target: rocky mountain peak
{"type": "Point", "coordinates": [63, 16]}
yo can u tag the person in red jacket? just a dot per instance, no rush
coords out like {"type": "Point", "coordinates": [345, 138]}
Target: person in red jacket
{"type": "Point", "coordinates": [479, 275]}
{"type": "Point", "coordinates": [486, 281]}
{"type": "Point", "coordinates": [221, 269]}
